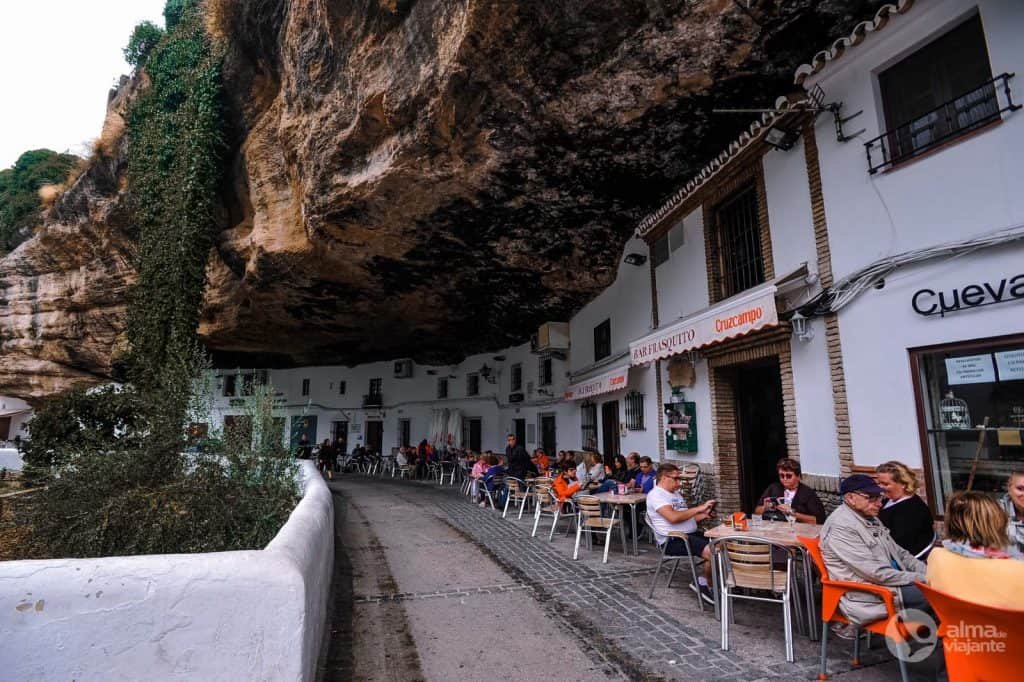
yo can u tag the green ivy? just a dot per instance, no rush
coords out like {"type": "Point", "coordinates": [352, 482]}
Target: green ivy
{"type": "Point", "coordinates": [175, 167]}
{"type": "Point", "coordinates": [144, 38]}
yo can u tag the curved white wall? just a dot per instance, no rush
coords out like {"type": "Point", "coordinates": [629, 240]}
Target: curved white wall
{"type": "Point", "coordinates": [251, 615]}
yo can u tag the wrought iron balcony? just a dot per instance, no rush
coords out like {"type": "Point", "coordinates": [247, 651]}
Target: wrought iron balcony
{"type": "Point", "coordinates": [950, 120]}
{"type": "Point", "coordinates": [373, 399]}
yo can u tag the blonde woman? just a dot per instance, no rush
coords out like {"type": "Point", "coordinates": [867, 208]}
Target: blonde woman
{"type": "Point", "coordinates": [904, 513]}
{"type": "Point", "coordinates": [975, 562]}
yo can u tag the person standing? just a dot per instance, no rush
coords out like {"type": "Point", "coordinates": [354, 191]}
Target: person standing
{"type": "Point", "coordinates": [517, 460]}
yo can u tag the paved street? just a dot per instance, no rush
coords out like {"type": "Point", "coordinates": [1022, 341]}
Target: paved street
{"type": "Point", "coordinates": [429, 586]}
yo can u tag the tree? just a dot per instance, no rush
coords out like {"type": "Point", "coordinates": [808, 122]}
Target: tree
{"type": "Point", "coordinates": [19, 191]}
{"type": "Point", "coordinates": [144, 38]}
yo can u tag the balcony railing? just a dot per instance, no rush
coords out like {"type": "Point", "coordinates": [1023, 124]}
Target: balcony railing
{"type": "Point", "coordinates": [373, 399]}
{"type": "Point", "coordinates": [956, 117]}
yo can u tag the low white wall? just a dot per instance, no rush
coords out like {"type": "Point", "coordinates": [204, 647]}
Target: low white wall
{"type": "Point", "coordinates": [251, 615]}
{"type": "Point", "coordinates": [10, 459]}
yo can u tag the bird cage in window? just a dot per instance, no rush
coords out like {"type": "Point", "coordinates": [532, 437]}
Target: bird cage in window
{"type": "Point", "coordinates": [953, 413]}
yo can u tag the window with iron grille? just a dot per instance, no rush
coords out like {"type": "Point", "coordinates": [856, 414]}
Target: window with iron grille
{"type": "Point", "coordinates": [588, 425]}
{"type": "Point", "coordinates": [602, 340]}
{"type": "Point", "coordinates": [305, 387]}
{"type": "Point", "coordinates": [341, 388]}
{"type": "Point", "coordinates": [516, 378]}
{"type": "Point", "coordinates": [635, 411]}
{"type": "Point", "coordinates": [943, 90]}
{"type": "Point", "coordinates": [375, 386]}
{"type": "Point", "coordinates": [442, 388]}
{"type": "Point", "coordinates": [739, 242]}
{"type": "Point", "coordinates": [229, 385]}
{"type": "Point", "coordinates": [473, 384]}
{"type": "Point", "coordinates": [404, 433]}
{"type": "Point", "coordinates": [544, 372]}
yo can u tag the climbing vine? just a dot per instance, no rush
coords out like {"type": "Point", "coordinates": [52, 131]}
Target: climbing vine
{"type": "Point", "coordinates": [175, 166]}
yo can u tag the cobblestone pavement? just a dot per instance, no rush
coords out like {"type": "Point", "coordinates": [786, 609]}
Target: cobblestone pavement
{"type": "Point", "coordinates": [605, 605]}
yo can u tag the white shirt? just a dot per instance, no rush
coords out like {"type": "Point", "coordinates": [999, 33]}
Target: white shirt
{"type": "Point", "coordinates": [788, 495]}
{"type": "Point", "coordinates": [582, 475]}
{"type": "Point", "coordinates": [658, 498]}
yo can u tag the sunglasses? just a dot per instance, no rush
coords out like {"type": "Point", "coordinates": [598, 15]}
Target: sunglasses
{"type": "Point", "coordinates": [786, 476]}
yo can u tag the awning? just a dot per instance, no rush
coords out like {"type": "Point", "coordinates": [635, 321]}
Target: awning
{"type": "Point", "coordinates": [613, 380]}
{"type": "Point", "coordinates": [741, 314]}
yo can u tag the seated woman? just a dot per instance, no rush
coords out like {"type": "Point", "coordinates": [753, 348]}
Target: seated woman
{"type": "Point", "coordinates": [789, 496]}
{"type": "Point", "coordinates": [595, 468]}
{"type": "Point", "coordinates": [613, 475]}
{"type": "Point", "coordinates": [494, 468]}
{"type": "Point", "coordinates": [565, 460]}
{"type": "Point", "coordinates": [975, 563]}
{"type": "Point", "coordinates": [905, 514]}
{"type": "Point", "coordinates": [1013, 504]}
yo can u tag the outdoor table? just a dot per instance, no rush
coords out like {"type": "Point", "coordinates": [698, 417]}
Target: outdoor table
{"type": "Point", "coordinates": [781, 533]}
{"type": "Point", "coordinates": [632, 499]}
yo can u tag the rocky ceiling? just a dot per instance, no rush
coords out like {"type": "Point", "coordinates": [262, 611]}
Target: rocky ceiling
{"type": "Point", "coordinates": [413, 178]}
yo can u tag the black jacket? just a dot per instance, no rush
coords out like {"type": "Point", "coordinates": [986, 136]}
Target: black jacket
{"type": "Point", "coordinates": [804, 502]}
{"type": "Point", "coordinates": [519, 463]}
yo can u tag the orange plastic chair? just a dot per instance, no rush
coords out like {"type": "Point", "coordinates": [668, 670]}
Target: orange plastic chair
{"type": "Point", "coordinates": [832, 591]}
{"type": "Point", "coordinates": [980, 642]}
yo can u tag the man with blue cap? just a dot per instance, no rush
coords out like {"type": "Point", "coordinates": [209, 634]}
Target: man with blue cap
{"type": "Point", "coordinates": [857, 547]}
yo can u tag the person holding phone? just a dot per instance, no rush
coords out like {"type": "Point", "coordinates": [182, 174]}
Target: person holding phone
{"type": "Point", "coordinates": [791, 497]}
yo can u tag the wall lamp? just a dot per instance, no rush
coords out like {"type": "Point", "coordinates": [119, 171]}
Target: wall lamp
{"type": "Point", "coordinates": [635, 259]}
{"type": "Point", "coordinates": [487, 374]}
{"type": "Point", "coordinates": [781, 138]}
{"type": "Point", "coordinates": [801, 327]}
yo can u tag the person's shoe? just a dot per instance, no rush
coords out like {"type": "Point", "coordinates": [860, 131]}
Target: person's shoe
{"type": "Point", "coordinates": [483, 504]}
{"type": "Point", "coordinates": [706, 594]}
{"type": "Point", "coordinates": [847, 631]}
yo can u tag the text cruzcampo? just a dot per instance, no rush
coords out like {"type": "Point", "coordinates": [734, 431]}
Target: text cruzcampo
{"type": "Point", "coordinates": [930, 302]}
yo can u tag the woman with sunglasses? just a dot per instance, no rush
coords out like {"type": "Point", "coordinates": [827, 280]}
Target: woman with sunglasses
{"type": "Point", "coordinates": [791, 497]}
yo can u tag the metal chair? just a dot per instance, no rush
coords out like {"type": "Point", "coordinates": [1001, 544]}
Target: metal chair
{"type": "Point", "coordinates": [492, 488]}
{"type": "Point", "coordinates": [548, 505]}
{"type": "Point", "coordinates": [747, 563]}
{"type": "Point", "coordinates": [693, 561]}
{"type": "Point", "coordinates": [590, 521]}
{"type": "Point", "coordinates": [448, 470]}
{"type": "Point", "coordinates": [518, 491]}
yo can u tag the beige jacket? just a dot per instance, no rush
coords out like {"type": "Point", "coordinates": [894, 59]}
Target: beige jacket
{"type": "Point", "coordinates": [860, 549]}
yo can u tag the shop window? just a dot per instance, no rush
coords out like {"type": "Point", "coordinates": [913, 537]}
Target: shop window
{"type": "Point", "coordinates": [305, 387]}
{"type": "Point", "coordinates": [939, 92]}
{"type": "Point", "coordinates": [472, 384]}
{"type": "Point", "coordinates": [544, 372]}
{"type": "Point", "coordinates": [516, 378]}
{"type": "Point", "coordinates": [961, 386]}
{"type": "Point", "coordinates": [442, 388]}
{"type": "Point", "coordinates": [635, 411]}
{"type": "Point", "coordinates": [602, 340]}
{"type": "Point", "coordinates": [588, 426]}
{"type": "Point", "coordinates": [738, 242]}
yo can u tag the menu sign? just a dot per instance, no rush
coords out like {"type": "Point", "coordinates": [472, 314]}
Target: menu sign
{"type": "Point", "coordinates": [1010, 364]}
{"type": "Point", "coordinates": [970, 369]}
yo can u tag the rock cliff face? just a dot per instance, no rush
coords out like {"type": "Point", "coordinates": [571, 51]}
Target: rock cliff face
{"type": "Point", "coordinates": [412, 178]}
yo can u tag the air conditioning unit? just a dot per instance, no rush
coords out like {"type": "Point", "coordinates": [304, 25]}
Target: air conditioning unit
{"type": "Point", "coordinates": [403, 369]}
{"type": "Point", "coordinates": [552, 337]}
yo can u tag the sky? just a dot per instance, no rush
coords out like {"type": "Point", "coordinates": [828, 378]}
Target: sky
{"type": "Point", "coordinates": [58, 61]}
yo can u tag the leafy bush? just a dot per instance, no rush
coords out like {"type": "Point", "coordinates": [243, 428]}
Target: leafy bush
{"type": "Point", "coordinates": [141, 43]}
{"type": "Point", "coordinates": [174, 10]}
{"type": "Point", "coordinates": [19, 191]}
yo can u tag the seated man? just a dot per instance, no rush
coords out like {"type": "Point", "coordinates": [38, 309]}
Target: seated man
{"type": "Point", "coordinates": [646, 477]}
{"type": "Point", "coordinates": [667, 512]}
{"type": "Point", "coordinates": [565, 485]}
{"type": "Point", "coordinates": [789, 495]}
{"type": "Point", "coordinates": [541, 461]}
{"type": "Point", "coordinates": [856, 546]}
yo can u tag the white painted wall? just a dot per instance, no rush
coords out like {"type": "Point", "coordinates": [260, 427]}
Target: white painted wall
{"type": "Point", "coordinates": [965, 189]}
{"type": "Point", "coordinates": [253, 615]}
{"type": "Point", "coordinates": [19, 422]}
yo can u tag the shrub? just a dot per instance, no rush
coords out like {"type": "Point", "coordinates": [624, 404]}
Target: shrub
{"type": "Point", "coordinates": [20, 202]}
{"type": "Point", "coordinates": [141, 43]}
